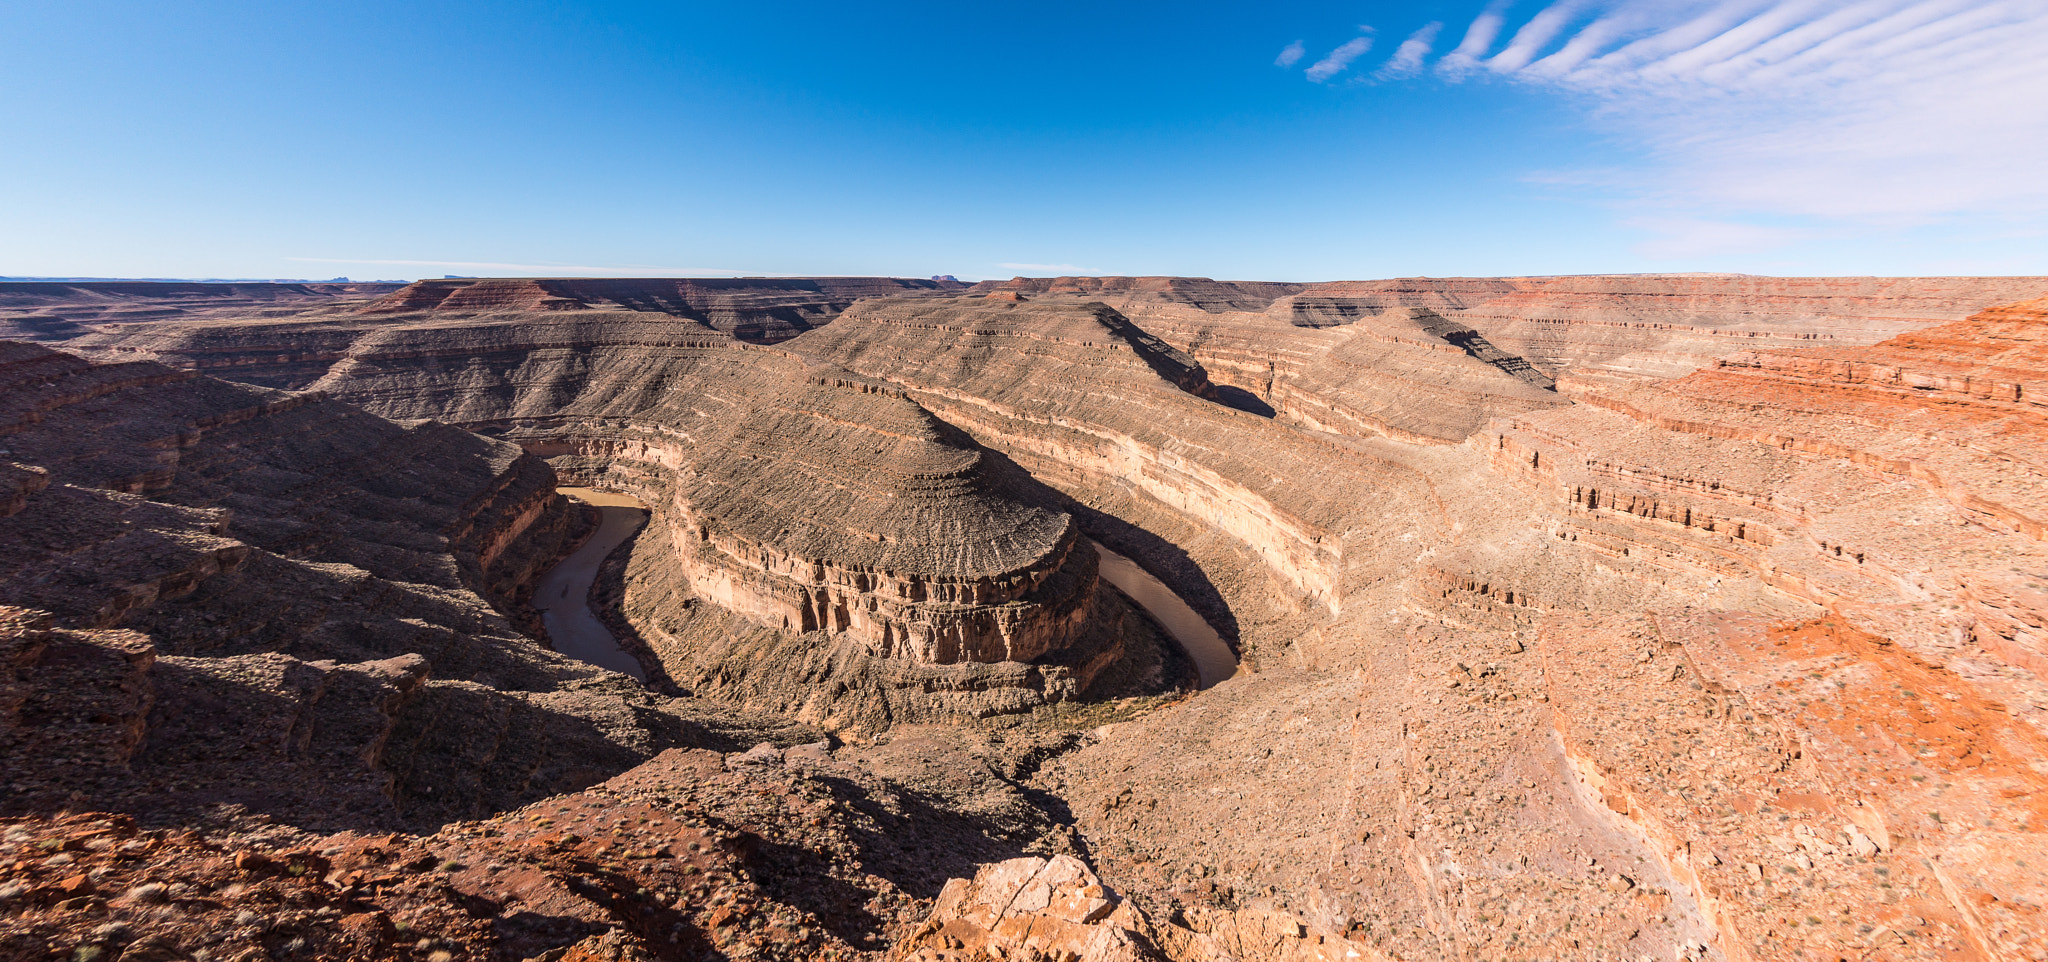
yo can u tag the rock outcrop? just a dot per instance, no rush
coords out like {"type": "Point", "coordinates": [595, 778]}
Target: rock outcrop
{"type": "Point", "coordinates": [1667, 324]}
{"type": "Point", "coordinates": [914, 546]}
{"type": "Point", "coordinates": [1691, 617]}
{"type": "Point", "coordinates": [907, 542]}
{"type": "Point", "coordinates": [769, 853]}
{"type": "Point", "coordinates": [225, 593]}
{"type": "Point", "coordinates": [61, 310]}
{"type": "Point", "coordinates": [762, 310]}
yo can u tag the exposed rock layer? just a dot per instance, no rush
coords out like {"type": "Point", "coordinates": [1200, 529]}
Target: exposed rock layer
{"type": "Point", "coordinates": [763, 310]}
{"type": "Point", "coordinates": [263, 582]}
{"type": "Point", "coordinates": [1683, 617]}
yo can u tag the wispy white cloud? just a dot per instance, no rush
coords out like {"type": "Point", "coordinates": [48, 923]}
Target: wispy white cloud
{"type": "Point", "coordinates": [1688, 238]}
{"type": "Point", "coordinates": [629, 270]}
{"type": "Point", "coordinates": [1340, 58]}
{"type": "Point", "coordinates": [1869, 111]}
{"type": "Point", "coordinates": [1290, 55]}
{"type": "Point", "coordinates": [1066, 269]}
{"type": "Point", "coordinates": [1534, 36]}
{"type": "Point", "coordinates": [1408, 57]}
{"type": "Point", "coordinates": [1478, 40]}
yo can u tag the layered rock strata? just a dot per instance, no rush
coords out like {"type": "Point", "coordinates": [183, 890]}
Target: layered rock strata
{"type": "Point", "coordinates": [1647, 324]}
{"type": "Point", "coordinates": [763, 310]}
{"type": "Point", "coordinates": [1738, 663]}
{"type": "Point", "coordinates": [905, 542]}
{"type": "Point", "coordinates": [1089, 403]}
{"type": "Point", "coordinates": [295, 343]}
{"type": "Point", "coordinates": [60, 310]}
{"type": "Point", "coordinates": [901, 539]}
{"type": "Point", "coordinates": [223, 593]}
{"type": "Point", "coordinates": [1862, 479]}
{"type": "Point", "coordinates": [1667, 324]}
{"type": "Point", "coordinates": [911, 546]}
{"type": "Point", "coordinates": [1408, 374]}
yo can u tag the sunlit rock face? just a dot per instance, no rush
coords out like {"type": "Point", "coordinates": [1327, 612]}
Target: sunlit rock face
{"type": "Point", "coordinates": [220, 594]}
{"type": "Point", "coordinates": [830, 503]}
{"type": "Point", "coordinates": [805, 497]}
{"type": "Point", "coordinates": [1692, 617]}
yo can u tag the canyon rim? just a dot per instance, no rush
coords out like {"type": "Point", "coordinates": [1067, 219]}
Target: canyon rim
{"type": "Point", "coordinates": [1687, 616]}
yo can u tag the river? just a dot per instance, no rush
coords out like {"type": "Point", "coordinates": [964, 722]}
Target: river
{"type": "Point", "coordinates": [1214, 661]}
{"type": "Point", "coordinates": [563, 594]}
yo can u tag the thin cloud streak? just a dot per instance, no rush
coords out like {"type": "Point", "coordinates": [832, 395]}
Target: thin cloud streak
{"type": "Point", "coordinates": [1534, 35]}
{"type": "Point", "coordinates": [1290, 55]}
{"type": "Point", "coordinates": [1408, 57]}
{"type": "Point", "coordinates": [1890, 112]}
{"type": "Point", "coordinates": [1479, 38]}
{"type": "Point", "coordinates": [1340, 58]}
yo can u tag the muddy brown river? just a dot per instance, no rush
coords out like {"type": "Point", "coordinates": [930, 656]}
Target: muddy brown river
{"type": "Point", "coordinates": [1213, 659]}
{"type": "Point", "coordinates": [563, 594]}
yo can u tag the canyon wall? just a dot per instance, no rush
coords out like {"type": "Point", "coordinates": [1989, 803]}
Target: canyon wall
{"type": "Point", "coordinates": [61, 310]}
{"type": "Point", "coordinates": [1693, 617]}
{"type": "Point", "coordinates": [912, 550]}
{"type": "Point", "coordinates": [219, 593]}
{"type": "Point", "coordinates": [904, 542]}
{"type": "Point", "coordinates": [1649, 324]}
{"type": "Point", "coordinates": [756, 309]}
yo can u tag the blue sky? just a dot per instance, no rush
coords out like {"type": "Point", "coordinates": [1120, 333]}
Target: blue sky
{"type": "Point", "coordinates": [1293, 140]}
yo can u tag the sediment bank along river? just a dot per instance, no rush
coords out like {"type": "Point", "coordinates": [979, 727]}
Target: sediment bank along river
{"type": "Point", "coordinates": [1213, 659]}
{"type": "Point", "coordinates": [563, 594]}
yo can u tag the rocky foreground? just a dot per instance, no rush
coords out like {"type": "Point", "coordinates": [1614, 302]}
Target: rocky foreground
{"type": "Point", "coordinates": [1693, 617]}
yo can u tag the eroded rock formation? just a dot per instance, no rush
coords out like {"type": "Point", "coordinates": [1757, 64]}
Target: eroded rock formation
{"type": "Point", "coordinates": [1694, 617]}
{"type": "Point", "coordinates": [219, 592]}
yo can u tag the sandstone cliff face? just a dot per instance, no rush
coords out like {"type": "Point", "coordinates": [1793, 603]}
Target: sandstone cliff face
{"type": "Point", "coordinates": [906, 543]}
{"type": "Point", "coordinates": [1089, 403]}
{"type": "Point", "coordinates": [1859, 479]}
{"type": "Point", "coordinates": [60, 310]}
{"type": "Point", "coordinates": [1854, 481]}
{"type": "Point", "coordinates": [239, 594]}
{"type": "Point", "coordinates": [1665, 324]}
{"type": "Point", "coordinates": [761, 310]}
{"type": "Point", "coordinates": [1710, 652]}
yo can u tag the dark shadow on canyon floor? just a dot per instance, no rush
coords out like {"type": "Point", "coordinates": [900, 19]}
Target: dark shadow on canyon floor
{"type": "Point", "coordinates": [608, 601]}
{"type": "Point", "coordinates": [1243, 400]}
{"type": "Point", "coordinates": [915, 841]}
{"type": "Point", "coordinates": [1164, 559]}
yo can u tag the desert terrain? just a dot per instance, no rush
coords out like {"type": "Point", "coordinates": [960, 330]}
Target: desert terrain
{"type": "Point", "coordinates": [1683, 617]}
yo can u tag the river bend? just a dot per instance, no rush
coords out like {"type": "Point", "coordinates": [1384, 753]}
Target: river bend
{"type": "Point", "coordinates": [563, 594]}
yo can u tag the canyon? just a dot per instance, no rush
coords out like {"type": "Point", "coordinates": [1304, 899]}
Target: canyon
{"type": "Point", "coordinates": [1626, 616]}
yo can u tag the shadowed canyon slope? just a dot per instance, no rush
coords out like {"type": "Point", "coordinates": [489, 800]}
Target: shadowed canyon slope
{"type": "Point", "coordinates": [1690, 616]}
